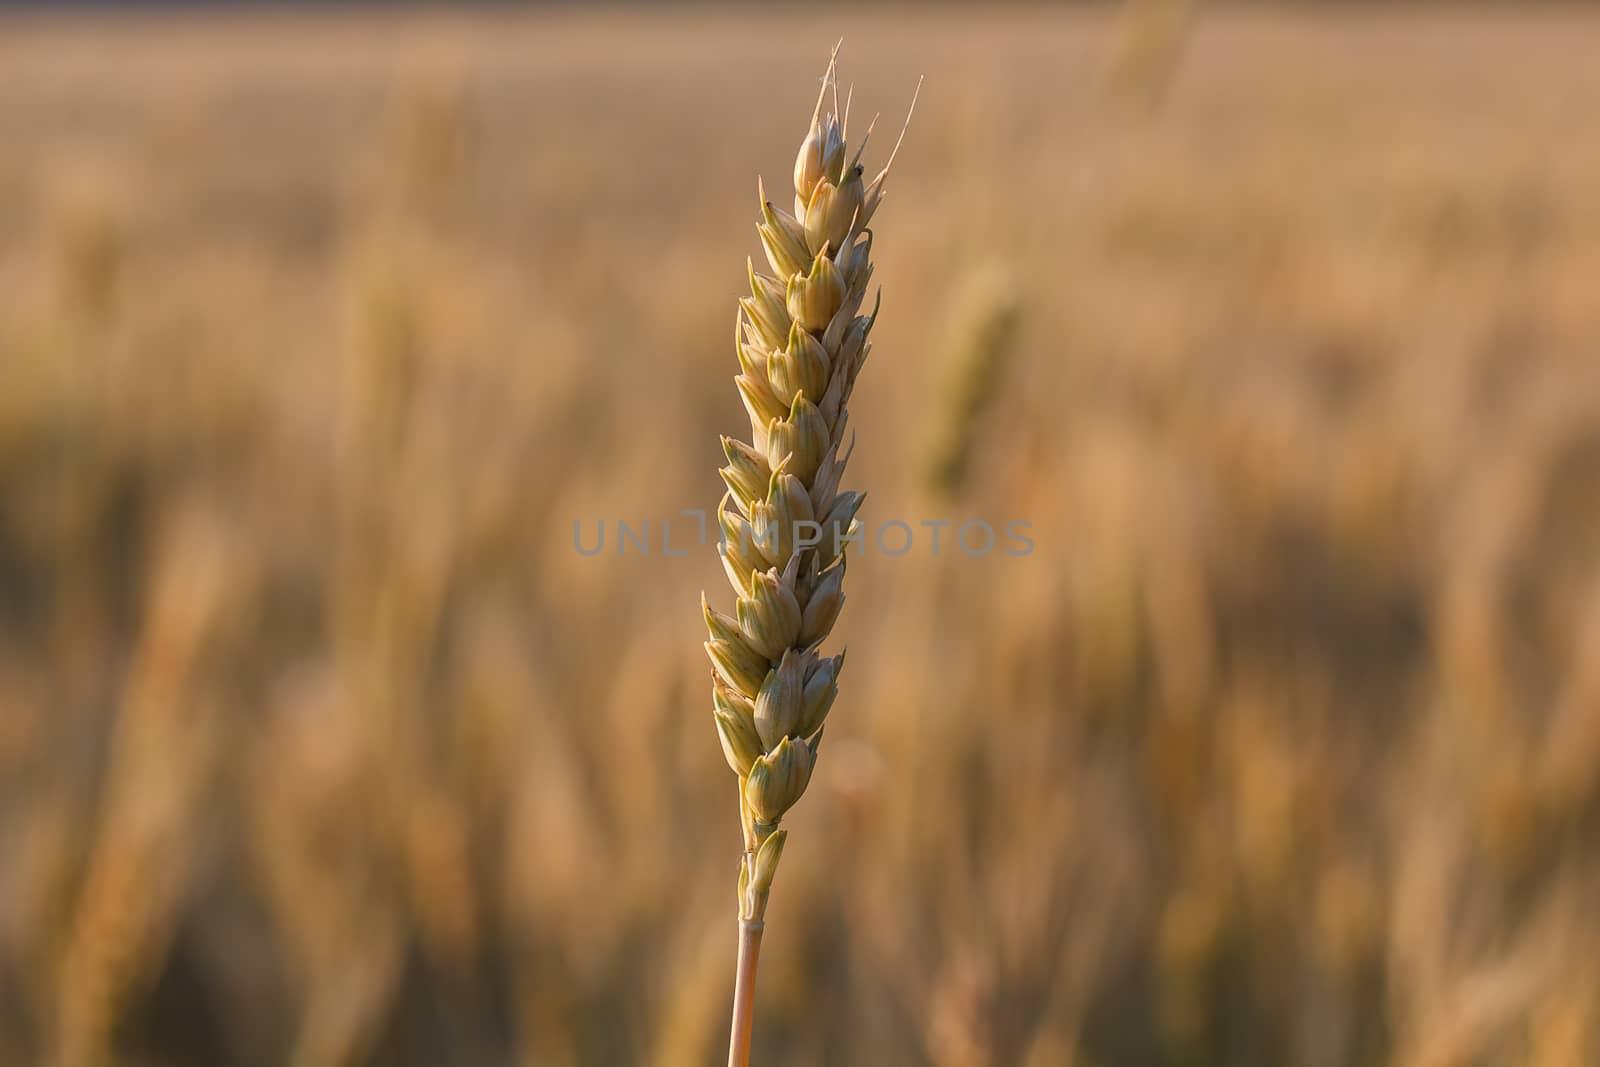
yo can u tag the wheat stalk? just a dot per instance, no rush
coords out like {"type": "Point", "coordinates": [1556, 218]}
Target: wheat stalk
{"type": "Point", "coordinates": [785, 522]}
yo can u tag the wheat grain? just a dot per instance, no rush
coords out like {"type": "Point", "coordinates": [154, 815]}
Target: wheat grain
{"type": "Point", "coordinates": [801, 342]}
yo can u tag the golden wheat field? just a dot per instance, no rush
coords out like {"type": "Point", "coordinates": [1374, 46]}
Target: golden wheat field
{"type": "Point", "coordinates": [325, 743]}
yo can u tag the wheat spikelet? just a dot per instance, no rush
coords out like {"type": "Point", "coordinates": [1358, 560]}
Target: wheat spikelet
{"type": "Point", "coordinates": [801, 342]}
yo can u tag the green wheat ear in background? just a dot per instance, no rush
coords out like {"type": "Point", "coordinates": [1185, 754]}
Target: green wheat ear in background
{"type": "Point", "coordinates": [801, 341]}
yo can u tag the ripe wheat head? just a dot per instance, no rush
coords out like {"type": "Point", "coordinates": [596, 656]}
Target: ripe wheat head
{"type": "Point", "coordinates": [801, 341]}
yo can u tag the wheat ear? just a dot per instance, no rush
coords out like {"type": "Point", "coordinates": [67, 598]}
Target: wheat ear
{"type": "Point", "coordinates": [785, 523]}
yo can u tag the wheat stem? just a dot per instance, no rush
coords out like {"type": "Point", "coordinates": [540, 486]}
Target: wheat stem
{"type": "Point", "coordinates": [744, 992]}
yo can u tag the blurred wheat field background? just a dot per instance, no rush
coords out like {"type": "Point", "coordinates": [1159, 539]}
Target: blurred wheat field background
{"type": "Point", "coordinates": [322, 745]}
